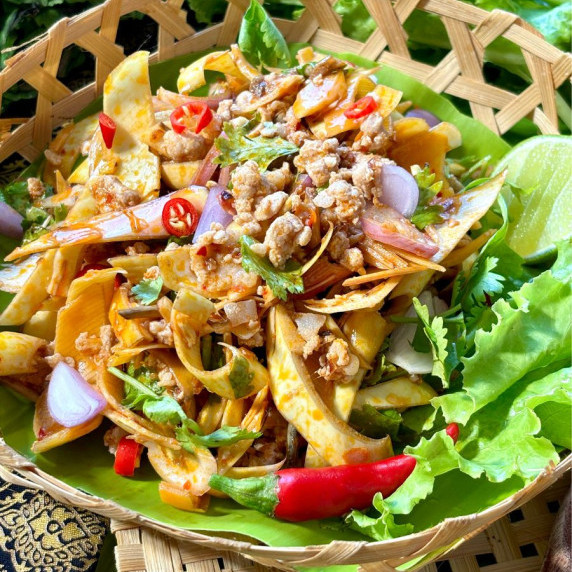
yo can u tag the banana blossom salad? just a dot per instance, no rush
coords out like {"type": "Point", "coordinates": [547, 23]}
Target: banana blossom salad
{"type": "Point", "coordinates": [247, 285]}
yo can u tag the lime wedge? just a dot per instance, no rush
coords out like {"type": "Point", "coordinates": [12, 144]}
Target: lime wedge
{"type": "Point", "coordinates": [543, 166]}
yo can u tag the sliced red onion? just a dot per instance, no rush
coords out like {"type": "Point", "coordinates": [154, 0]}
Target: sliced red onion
{"type": "Point", "coordinates": [212, 212]}
{"type": "Point", "coordinates": [71, 399]}
{"type": "Point", "coordinates": [386, 225]}
{"type": "Point", "coordinates": [399, 190]}
{"type": "Point", "coordinates": [224, 177]}
{"type": "Point", "coordinates": [10, 221]}
{"type": "Point", "coordinates": [431, 119]}
{"type": "Point", "coordinates": [206, 170]}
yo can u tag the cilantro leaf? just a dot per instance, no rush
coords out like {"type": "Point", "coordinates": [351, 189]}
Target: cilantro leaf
{"type": "Point", "coordinates": [240, 376]}
{"type": "Point", "coordinates": [148, 290]}
{"type": "Point", "coordinates": [158, 407]}
{"type": "Point", "coordinates": [427, 212]}
{"type": "Point", "coordinates": [260, 40]}
{"type": "Point", "coordinates": [279, 281]}
{"type": "Point", "coordinates": [237, 147]}
{"type": "Point", "coordinates": [17, 196]}
{"type": "Point", "coordinates": [223, 437]}
{"type": "Point", "coordinates": [437, 335]}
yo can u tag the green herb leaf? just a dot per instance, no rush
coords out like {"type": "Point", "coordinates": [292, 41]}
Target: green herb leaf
{"type": "Point", "coordinates": [260, 40]}
{"type": "Point", "coordinates": [223, 437]}
{"type": "Point", "coordinates": [437, 335]}
{"type": "Point", "coordinates": [158, 407]}
{"type": "Point", "coordinates": [279, 281]}
{"type": "Point", "coordinates": [17, 196]}
{"type": "Point", "coordinates": [427, 213]}
{"type": "Point", "coordinates": [148, 290]}
{"type": "Point", "coordinates": [237, 147]}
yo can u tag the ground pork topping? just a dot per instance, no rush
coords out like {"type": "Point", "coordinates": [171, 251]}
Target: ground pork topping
{"type": "Point", "coordinates": [270, 206]}
{"type": "Point", "coordinates": [340, 203]}
{"type": "Point", "coordinates": [161, 331]}
{"type": "Point", "coordinates": [111, 194]}
{"type": "Point", "coordinates": [179, 147]}
{"type": "Point", "coordinates": [319, 159]}
{"type": "Point", "coordinates": [338, 363]}
{"type": "Point", "coordinates": [309, 326]}
{"type": "Point", "coordinates": [376, 137]}
{"type": "Point", "coordinates": [36, 188]}
{"type": "Point", "coordinates": [283, 237]}
{"type": "Point", "coordinates": [366, 174]}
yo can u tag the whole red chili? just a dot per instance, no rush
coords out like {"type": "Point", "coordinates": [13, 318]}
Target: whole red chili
{"type": "Point", "coordinates": [108, 129]}
{"type": "Point", "coordinates": [179, 117]}
{"type": "Point", "coordinates": [179, 217]}
{"type": "Point", "coordinates": [308, 494]}
{"type": "Point", "coordinates": [361, 108]}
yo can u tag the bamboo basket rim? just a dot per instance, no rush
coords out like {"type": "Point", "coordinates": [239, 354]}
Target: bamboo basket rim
{"type": "Point", "coordinates": [16, 468]}
{"type": "Point", "coordinates": [470, 29]}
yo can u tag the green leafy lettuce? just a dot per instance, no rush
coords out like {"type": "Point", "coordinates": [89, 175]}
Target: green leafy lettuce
{"type": "Point", "coordinates": [238, 147]}
{"type": "Point", "coordinates": [279, 281]}
{"type": "Point", "coordinates": [260, 40]}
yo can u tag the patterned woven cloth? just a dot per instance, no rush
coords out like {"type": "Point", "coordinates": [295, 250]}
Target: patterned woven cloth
{"type": "Point", "coordinates": [40, 534]}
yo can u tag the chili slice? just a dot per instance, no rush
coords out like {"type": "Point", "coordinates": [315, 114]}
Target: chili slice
{"type": "Point", "coordinates": [179, 217]}
{"type": "Point", "coordinates": [108, 129]}
{"type": "Point", "coordinates": [127, 457]}
{"type": "Point", "coordinates": [183, 112]}
{"type": "Point", "coordinates": [361, 108]}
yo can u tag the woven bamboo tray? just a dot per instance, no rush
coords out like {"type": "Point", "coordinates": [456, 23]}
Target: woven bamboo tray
{"type": "Point", "coordinates": [515, 542]}
{"type": "Point", "coordinates": [460, 73]}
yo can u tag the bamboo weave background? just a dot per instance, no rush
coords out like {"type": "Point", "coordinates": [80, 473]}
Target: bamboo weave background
{"type": "Point", "coordinates": [460, 73]}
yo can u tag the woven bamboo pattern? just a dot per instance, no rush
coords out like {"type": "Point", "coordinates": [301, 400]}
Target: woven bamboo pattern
{"type": "Point", "coordinates": [460, 73]}
{"type": "Point", "coordinates": [517, 541]}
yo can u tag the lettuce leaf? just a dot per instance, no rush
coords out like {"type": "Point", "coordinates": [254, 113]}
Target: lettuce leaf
{"type": "Point", "coordinates": [500, 443]}
{"type": "Point", "coordinates": [531, 330]}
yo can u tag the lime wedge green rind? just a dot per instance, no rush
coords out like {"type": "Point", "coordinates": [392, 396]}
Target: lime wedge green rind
{"type": "Point", "coordinates": [539, 219]}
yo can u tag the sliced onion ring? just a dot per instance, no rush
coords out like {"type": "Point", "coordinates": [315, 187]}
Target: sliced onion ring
{"type": "Point", "coordinates": [10, 221]}
{"type": "Point", "coordinates": [431, 119]}
{"type": "Point", "coordinates": [399, 189]}
{"type": "Point", "coordinates": [71, 399]}
{"type": "Point", "coordinates": [386, 225]}
{"type": "Point", "coordinates": [212, 212]}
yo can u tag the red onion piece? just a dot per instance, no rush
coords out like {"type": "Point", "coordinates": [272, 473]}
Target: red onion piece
{"type": "Point", "coordinates": [386, 225]}
{"type": "Point", "coordinates": [71, 399]}
{"type": "Point", "coordinates": [10, 221]}
{"type": "Point", "coordinates": [207, 168]}
{"type": "Point", "coordinates": [431, 119]}
{"type": "Point", "coordinates": [399, 190]}
{"type": "Point", "coordinates": [212, 212]}
{"type": "Point", "coordinates": [224, 177]}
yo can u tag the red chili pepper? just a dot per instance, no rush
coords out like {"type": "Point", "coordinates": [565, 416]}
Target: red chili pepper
{"type": "Point", "coordinates": [108, 129]}
{"type": "Point", "coordinates": [179, 117]}
{"type": "Point", "coordinates": [361, 108]}
{"type": "Point", "coordinates": [180, 217]}
{"type": "Point", "coordinates": [453, 431]}
{"type": "Point", "coordinates": [127, 457]}
{"type": "Point", "coordinates": [307, 494]}
{"type": "Point", "coordinates": [89, 267]}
